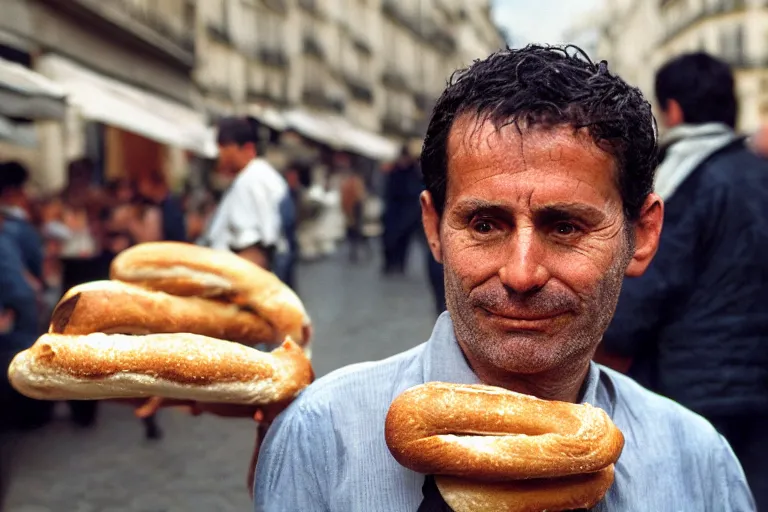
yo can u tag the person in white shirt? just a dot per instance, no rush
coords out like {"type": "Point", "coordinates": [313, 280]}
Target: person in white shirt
{"type": "Point", "coordinates": [248, 220]}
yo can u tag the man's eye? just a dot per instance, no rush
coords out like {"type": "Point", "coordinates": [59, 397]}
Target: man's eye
{"type": "Point", "coordinates": [566, 229]}
{"type": "Point", "coordinates": [483, 226]}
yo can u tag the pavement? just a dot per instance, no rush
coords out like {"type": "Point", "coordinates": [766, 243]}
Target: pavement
{"type": "Point", "coordinates": [200, 464]}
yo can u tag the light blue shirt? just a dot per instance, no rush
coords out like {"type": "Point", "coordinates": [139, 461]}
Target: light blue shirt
{"type": "Point", "coordinates": [327, 452]}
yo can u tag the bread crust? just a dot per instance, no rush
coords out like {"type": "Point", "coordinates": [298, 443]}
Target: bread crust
{"type": "Point", "coordinates": [190, 270]}
{"type": "Point", "coordinates": [574, 492]}
{"type": "Point", "coordinates": [114, 307]}
{"type": "Point", "coordinates": [491, 434]}
{"type": "Point", "coordinates": [177, 366]}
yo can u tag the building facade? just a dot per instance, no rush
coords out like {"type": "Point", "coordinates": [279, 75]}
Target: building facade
{"type": "Point", "coordinates": [146, 79]}
{"type": "Point", "coordinates": [638, 37]}
{"type": "Point", "coordinates": [372, 66]}
{"type": "Point", "coordinates": [126, 68]}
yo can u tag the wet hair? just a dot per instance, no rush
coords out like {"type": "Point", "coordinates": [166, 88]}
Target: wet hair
{"type": "Point", "coordinates": [550, 87]}
{"type": "Point", "coordinates": [703, 86]}
{"type": "Point", "coordinates": [235, 130]}
{"type": "Point", "coordinates": [13, 175]}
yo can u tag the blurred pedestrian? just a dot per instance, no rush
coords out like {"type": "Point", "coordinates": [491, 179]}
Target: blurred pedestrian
{"type": "Point", "coordinates": [353, 196]}
{"type": "Point", "coordinates": [695, 326]}
{"type": "Point", "coordinates": [248, 220]}
{"type": "Point", "coordinates": [167, 210]}
{"type": "Point", "coordinates": [82, 258]}
{"type": "Point", "coordinates": [19, 328]}
{"type": "Point", "coordinates": [15, 208]}
{"type": "Point", "coordinates": [402, 214]}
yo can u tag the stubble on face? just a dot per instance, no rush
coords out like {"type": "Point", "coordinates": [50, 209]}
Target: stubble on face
{"type": "Point", "coordinates": [550, 329]}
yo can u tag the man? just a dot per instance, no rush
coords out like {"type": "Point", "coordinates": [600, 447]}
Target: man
{"type": "Point", "coordinates": [14, 206]}
{"type": "Point", "coordinates": [248, 219]}
{"type": "Point", "coordinates": [19, 328]}
{"type": "Point", "coordinates": [166, 209]}
{"type": "Point", "coordinates": [695, 325]}
{"type": "Point", "coordinates": [539, 171]}
{"type": "Point", "coordinates": [401, 211]}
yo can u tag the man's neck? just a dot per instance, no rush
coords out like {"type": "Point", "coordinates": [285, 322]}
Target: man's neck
{"type": "Point", "coordinates": [563, 384]}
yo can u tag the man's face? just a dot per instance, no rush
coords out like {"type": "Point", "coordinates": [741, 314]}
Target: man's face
{"type": "Point", "coordinates": [232, 159]}
{"type": "Point", "coordinates": [534, 245]}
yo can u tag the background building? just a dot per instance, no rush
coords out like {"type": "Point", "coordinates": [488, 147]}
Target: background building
{"type": "Point", "coordinates": [637, 37]}
{"type": "Point", "coordinates": [145, 80]}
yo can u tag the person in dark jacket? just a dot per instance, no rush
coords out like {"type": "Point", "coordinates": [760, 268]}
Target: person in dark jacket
{"type": "Point", "coordinates": [13, 208]}
{"type": "Point", "coordinates": [695, 325]}
{"type": "Point", "coordinates": [154, 190]}
{"type": "Point", "coordinates": [402, 213]}
{"type": "Point", "coordinates": [19, 328]}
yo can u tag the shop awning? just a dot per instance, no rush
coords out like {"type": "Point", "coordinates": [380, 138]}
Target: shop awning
{"type": "Point", "coordinates": [312, 126]}
{"type": "Point", "coordinates": [111, 102]}
{"type": "Point", "coordinates": [27, 94]}
{"type": "Point", "coordinates": [340, 134]}
{"type": "Point", "coordinates": [269, 116]}
{"type": "Point", "coordinates": [364, 142]}
{"type": "Point", "coordinates": [19, 134]}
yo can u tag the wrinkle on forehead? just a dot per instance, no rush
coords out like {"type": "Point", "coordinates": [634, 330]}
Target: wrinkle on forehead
{"type": "Point", "coordinates": [472, 135]}
{"type": "Point", "coordinates": [479, 153]}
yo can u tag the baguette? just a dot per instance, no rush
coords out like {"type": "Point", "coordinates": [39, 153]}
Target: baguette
{"type": "Point", "coordinates": [189, 270]}
{"type": "Point", "coordinates": [114, 307]}
{"type": "Point", "coordinates": [176, 366]}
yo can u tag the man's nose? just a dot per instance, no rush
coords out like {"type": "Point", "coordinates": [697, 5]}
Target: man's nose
{"type": "Point", "coordinates": [524, 270]}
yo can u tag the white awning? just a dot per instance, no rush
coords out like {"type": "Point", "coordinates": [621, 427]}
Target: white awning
{"type": "Point", "coordinates": [269, 116]}
{"type": "Point", "coordinates": [340, 134]}
{"type": "Point", "coordinates": [19, 134]}
{"type": "Point", "coordinates": [363, 142]}
{"type": "Point", "coordinates": [109, 101]}
{"type": "Point", "coordinates": [312, 126]}
{"type": "Point", "coordinates": [25, 93]}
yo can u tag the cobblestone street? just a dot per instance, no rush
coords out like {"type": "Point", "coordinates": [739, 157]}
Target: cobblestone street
{"type": "Point", "coordinates": [200, 464]}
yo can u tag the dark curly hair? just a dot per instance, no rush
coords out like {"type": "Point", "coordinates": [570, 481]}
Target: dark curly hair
{"type": "Point", "coordinates": [550, 86]}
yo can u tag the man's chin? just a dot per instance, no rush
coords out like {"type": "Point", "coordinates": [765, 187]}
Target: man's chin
{"type": "Point", "coordinates": [524, 353]}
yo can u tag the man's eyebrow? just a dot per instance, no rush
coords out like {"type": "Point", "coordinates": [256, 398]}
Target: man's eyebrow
{"type": "Point", "coordinates": [477, 205]}
{"type": "Point", "coordinates": [587, 212]}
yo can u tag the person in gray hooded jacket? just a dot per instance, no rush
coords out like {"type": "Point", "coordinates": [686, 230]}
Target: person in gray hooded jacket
{"type": "Point", "coordinates": [695, 325]}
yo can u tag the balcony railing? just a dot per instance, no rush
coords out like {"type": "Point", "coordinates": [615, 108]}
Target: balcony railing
{"type": "Point", "coordinates": [254, 93]}
{"type": "Point", "coordinates": [219, 33]}
{"type": "Point", "coordinates": [395, 79]}
{"type": "Point", "coordinates": [317, 96]}
{"type": "Point", "coordinates": [424, 28]}
{"type": "Point", "coordinates": [358, 88]}
{"type": "Point", "coordinates": [313, 47]}
{"type": "Point", "coordinates": [424, 101]}
{"type": "Point", "coordinates": [362, 44]}
{"type": "Point", "coordinates": [275, 57]}
{"type": "Point", "coordinates": [678, 26]}
{"type": "Point", "coordinates": [396, 124]}
{"type": "Point", "coordinates": [280, 6]}
{"type": "Point", "coordinates": [131, 24]}
{"type": "Point", "coordinates": [311, 6]}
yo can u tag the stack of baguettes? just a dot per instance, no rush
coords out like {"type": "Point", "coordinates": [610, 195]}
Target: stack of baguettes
{"type": "Point", "coordinates": [494, 450]}
{"type": "Point", "coordinates": [175, 321]}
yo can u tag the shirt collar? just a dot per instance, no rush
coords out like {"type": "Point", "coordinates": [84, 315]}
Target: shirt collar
{"type": "Point", "coordinates": [445, 362]}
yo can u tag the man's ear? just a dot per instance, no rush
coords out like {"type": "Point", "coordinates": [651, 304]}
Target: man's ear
{"type": "Point", "coordinates": [647, 229]}
{"type": "Point", "coordinates": [673, 114]}
{"type": "Point", "coordinates": [431, 221]}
